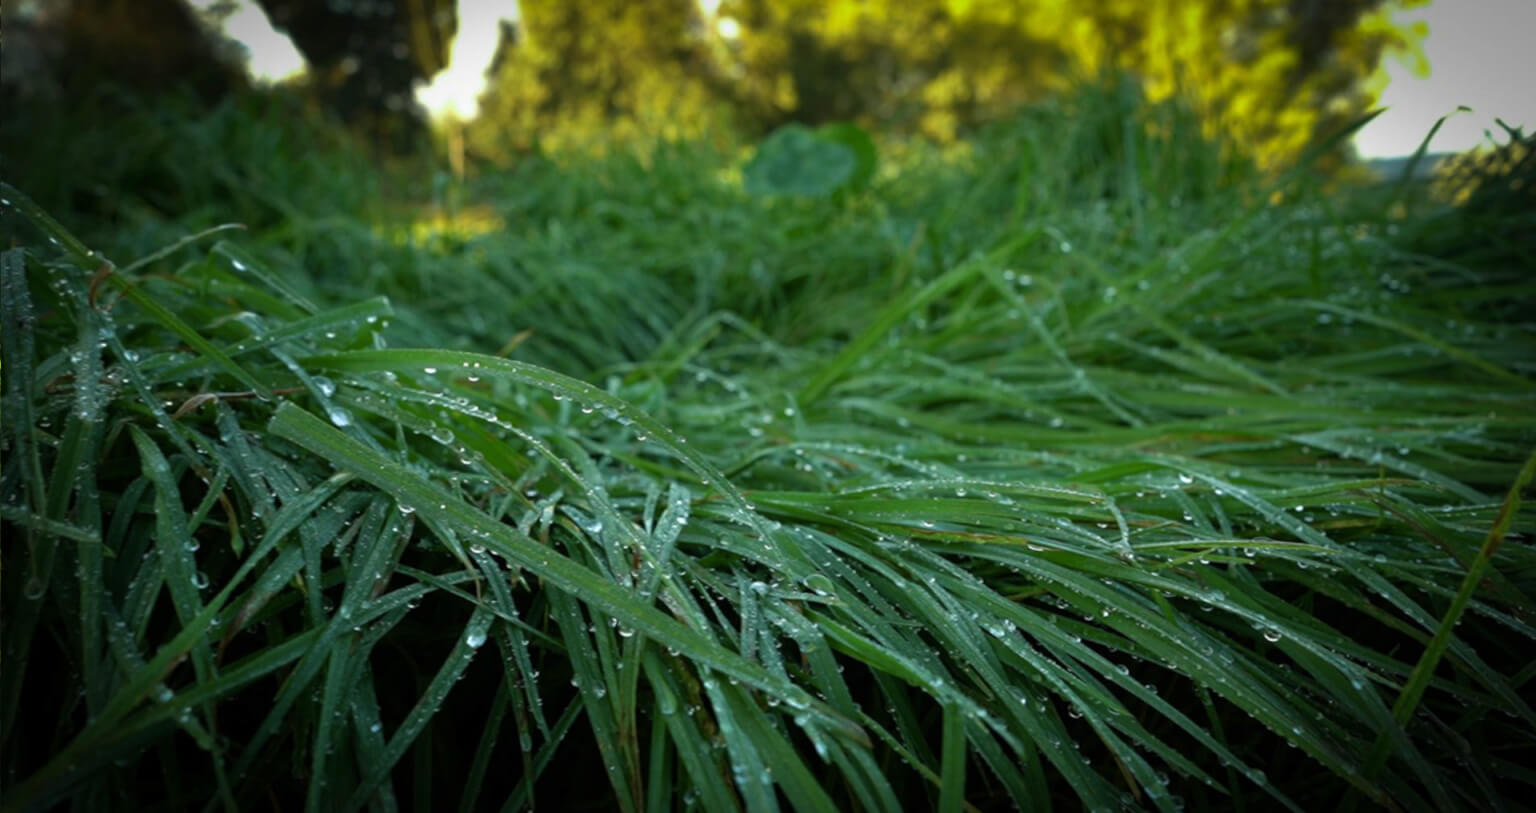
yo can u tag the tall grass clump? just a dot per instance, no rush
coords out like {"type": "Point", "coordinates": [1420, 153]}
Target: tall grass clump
{"type": "Point", "coordinates": [1080, 467]}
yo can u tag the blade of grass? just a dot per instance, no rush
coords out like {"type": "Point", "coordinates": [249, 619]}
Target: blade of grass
{"type": "Point", "coordinates": [1413, 691]}
{"type": "Point", "coordinates": [426, 708]}
{"type": "Point", "coordinates": [861, 345]}
{"type": "Point", "coordinates": [294, 424]}
{"type": "Point", "coordinates": [952, 772]}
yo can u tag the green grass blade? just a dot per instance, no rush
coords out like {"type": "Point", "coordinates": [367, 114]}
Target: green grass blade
{"type": "Point", "coordinates": [892, 314]}
{"type": "Point", "coordinates": [952, 772]}
{"type": "Point", "coordinates": [1413, 691]}
{"type": "Point", "coordinates": [426, 707]}
{"type": "Point", "coordinates": [296, 425]}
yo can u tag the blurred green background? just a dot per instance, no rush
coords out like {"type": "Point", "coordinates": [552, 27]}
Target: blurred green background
{"type": "Point", "coordinates": [1268, 76]}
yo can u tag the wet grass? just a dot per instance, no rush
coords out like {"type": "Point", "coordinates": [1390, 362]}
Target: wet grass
{"type": "Point", "coordinates": [1080, 468]}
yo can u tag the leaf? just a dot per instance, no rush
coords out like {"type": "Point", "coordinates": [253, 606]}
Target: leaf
{"type": "Point", "coordinates": [855, 138]}
{"type": "Point", "coordinates": [795, 161]}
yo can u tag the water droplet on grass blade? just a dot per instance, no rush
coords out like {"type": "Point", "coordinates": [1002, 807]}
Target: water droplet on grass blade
{"type": "Point", "coordinates": [819, 584]}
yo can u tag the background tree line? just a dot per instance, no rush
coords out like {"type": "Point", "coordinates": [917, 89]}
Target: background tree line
{"type": "Point", "coordinates": [1270, 75]}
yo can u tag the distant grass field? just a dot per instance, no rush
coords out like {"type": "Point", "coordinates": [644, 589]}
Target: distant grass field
{"type": "Point", "coordinates": [1079, 466]}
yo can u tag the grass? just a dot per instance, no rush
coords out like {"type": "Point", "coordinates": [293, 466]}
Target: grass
{"type": "Point", "coordinates": [1077, 467]}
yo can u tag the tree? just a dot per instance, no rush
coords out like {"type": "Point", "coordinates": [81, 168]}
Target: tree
{"type": "Point", "coordinates": [921, 65]}
{"type": "Point", "coordinates": [627, 67]}
{"type": "Point", "coordinates": [141, 46]}
{"type": "Point", "coordinates": [366, 56]}
{"type": "Point", "coordinates": [1271, 75]}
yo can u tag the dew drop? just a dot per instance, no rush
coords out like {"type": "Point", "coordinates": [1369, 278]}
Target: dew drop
{"type": "Point", "coordinates": [819, 584]}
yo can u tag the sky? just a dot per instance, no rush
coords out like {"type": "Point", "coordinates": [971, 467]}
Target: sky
{"type": "Point", "coordinates": [1478, 57]}
{"type": "Point", "coordinates": [1475, 50]}
{"type": "Point", "coordinates": [272, 54]}
{"type": "Point", "coordinates": [455, 91]}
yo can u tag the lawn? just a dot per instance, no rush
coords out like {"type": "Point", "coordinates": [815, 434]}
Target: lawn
{"type": "Point", "coordinates": [1073, 466]}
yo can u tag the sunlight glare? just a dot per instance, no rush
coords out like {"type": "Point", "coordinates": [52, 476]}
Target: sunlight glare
{"type": "Point", "coordinates": [455, 91]}
{"type": "Point", "coordinates": [270, 54]}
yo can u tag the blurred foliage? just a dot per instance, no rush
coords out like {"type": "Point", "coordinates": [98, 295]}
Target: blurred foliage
{"type": "Point", "coordinates": [1500, 170]}
{"type": "Point", "coordinates": [621, 67]}
{"type": "Point", "coordinates": [926, 64]}
{"type": "Point", "coordinates": [366, 56]}
{"type": "Point", "coordinates": [1494, 214]}
{"type": "Point", "coordinates": [1270, 76]}
{"type": "Point", "coordinates": [67, 48]}
{"type": "Point", "coordinates": [796, 161]}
